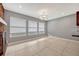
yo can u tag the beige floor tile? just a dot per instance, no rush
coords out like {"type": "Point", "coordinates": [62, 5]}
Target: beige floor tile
{"type": "Point", "coordinates": [59, 45]}
{"type": "Point", "coordinates": [51, 46]}
{"type": "Point", "coordinates": [72, 49]}
{"type": "Point", "coordinates": [43, 44]}
{"type": "Point", "coordinates": [48, 52]}
{"type": "Point", "coordinates": [10, 51]}
{"type": "Point", "coordinates": [28, 51]}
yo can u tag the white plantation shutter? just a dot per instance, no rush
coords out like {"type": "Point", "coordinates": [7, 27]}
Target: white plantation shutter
{"type": "Point", "coordinates": [41, 27]}
{"type": "Point", "coordinates": [32, 27]}
{"type": "Point", "coordinates": [17, 26]}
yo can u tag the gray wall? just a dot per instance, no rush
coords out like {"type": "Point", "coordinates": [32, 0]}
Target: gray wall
{"type": "Point", "coordinates": [63, 27]}
{"type": "Point", "coordinates": [7, 19]}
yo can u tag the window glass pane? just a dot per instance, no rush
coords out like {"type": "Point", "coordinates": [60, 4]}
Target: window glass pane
{"type": "Point", "coordinates": [32, 24]}
{"type": "Point", "coordinates": [16, 21]}
{"type": "Point", "coordinates": [17, 30]}
{"type": "Point", "coordinates": [17, 34]}
{"type": "Point", "coordinates": [32, 29]}
{"type": "Point", "coordinates": [41, 29]}
{"type": "Point", "coordinates": [32, 33]}
{"type": "Point", "coordinates": [17, 26]}
{"type": "Point", "coordinates": [41, 26]}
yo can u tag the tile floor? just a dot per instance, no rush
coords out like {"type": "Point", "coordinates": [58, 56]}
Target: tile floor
{"type": "Point", "coordinates": [47, 46]}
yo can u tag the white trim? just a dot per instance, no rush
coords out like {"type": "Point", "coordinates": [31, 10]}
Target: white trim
{"type": "Point", "coordinates": [2, 21]}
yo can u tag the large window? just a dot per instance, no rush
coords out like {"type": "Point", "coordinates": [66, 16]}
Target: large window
{"type": "Point", "coordinates": [41, 28]}
{"type": "Point", "coordinates": [17, 26]}
{"type": "Point", "coordinates": [32, 28]}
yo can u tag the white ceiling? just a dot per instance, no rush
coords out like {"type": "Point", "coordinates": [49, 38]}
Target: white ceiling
{"type": "Point", "coordinates": [54, 10]}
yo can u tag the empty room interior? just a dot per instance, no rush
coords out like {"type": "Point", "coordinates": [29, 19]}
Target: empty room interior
{"type": "Point", "coordinates": [39, 29]}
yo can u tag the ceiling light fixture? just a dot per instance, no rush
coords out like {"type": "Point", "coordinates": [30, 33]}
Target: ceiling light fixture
{"type": "Point", "coordinates": [43, 17]}
{"type": "Point", "coordinates": [20, 6]}
{"type": "Point", "coordinates": [43, 14]}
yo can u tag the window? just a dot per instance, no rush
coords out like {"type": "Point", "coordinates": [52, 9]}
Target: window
{"type": "Point", "coordinates": [32, 28]}
{"type": "Point", "coordinates": [17, 27]}
{"type": "Point", "coordinates": [41, 28]}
